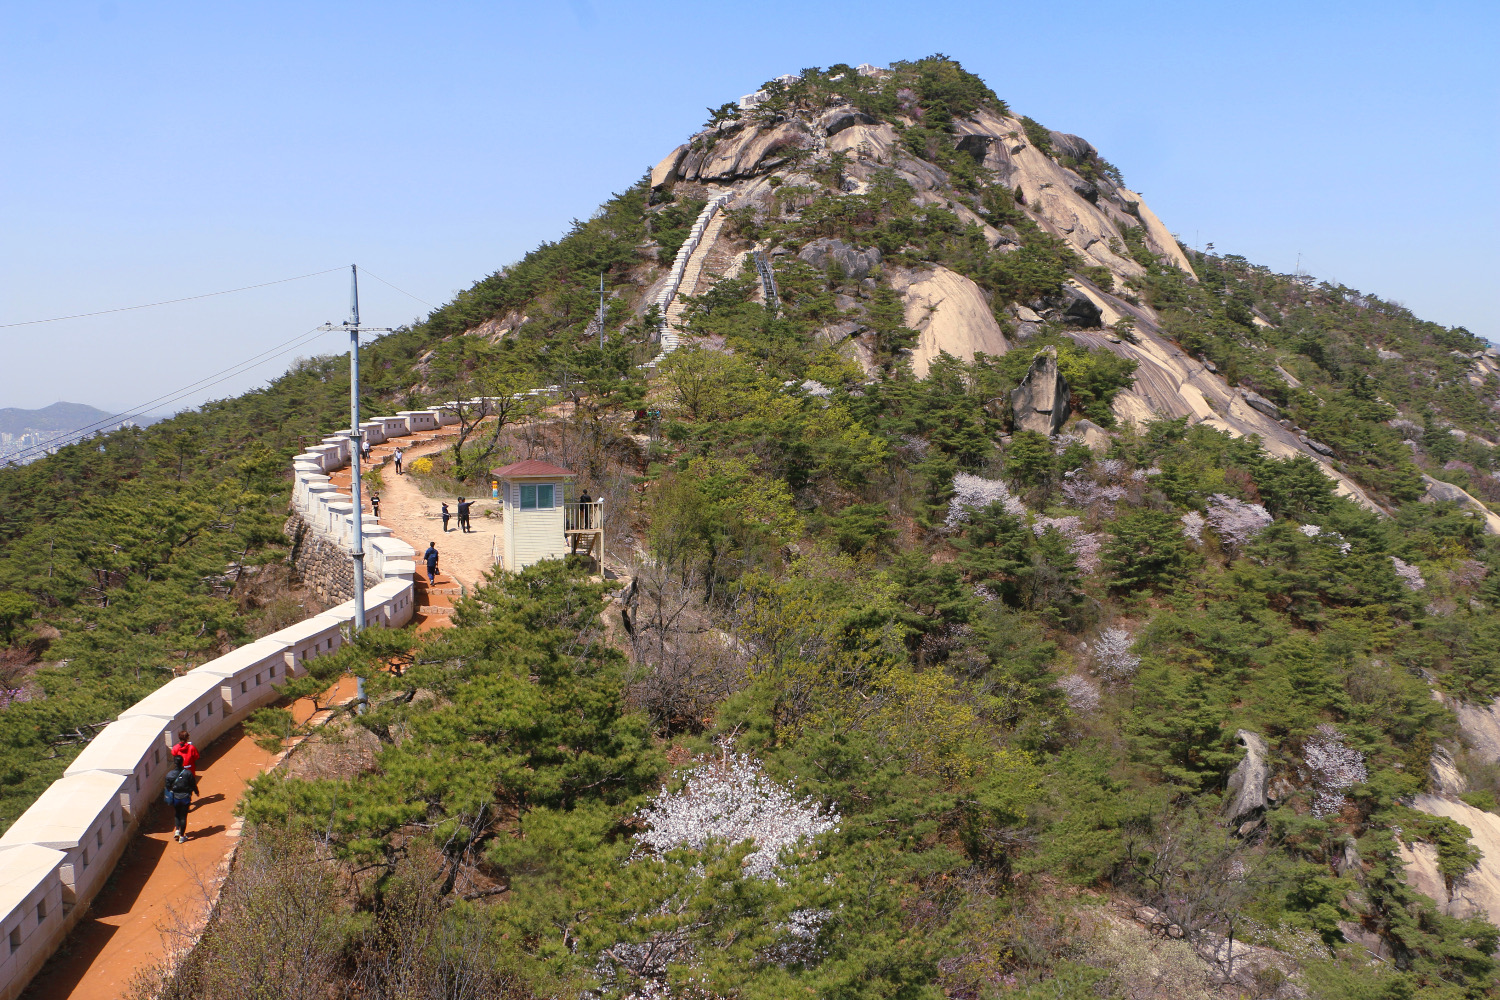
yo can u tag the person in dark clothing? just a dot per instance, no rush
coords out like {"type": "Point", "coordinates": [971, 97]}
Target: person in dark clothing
{"type": "Point", "coordinates": [463, 514]}
{"type": "Point", "coordinates": [375, 505]}
{"type": "Point", "coordinates": [431, 555]}
{"type": "Point", "coordinates": [585, 511]}
{"type": "Point", "coordinates": [182, 786]}
{"type": "Point", "coordinates": [446, 515]}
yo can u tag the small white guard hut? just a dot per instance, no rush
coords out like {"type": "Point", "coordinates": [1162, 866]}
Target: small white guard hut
{"type": "Point", "coordinates": [542, 519]}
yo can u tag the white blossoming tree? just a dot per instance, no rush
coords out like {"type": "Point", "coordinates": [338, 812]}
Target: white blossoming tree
{"type": "Point", "coordinates": [1335, 768]}
{"type": "Point", "coordinates": [729, 823]}
{"type": "Point", "coordinates": [731, 800]}
{"type": "Point", "coordinates": [1112, 657]}
{"type": "Point", "coordinates": [1084, 544]}
{"type": "Point", "coordinates": [1409, 574]}
{"type": "Point", "coordinates": [1235, 521]}
{"type": "Point", "coordinates": [976, 493]}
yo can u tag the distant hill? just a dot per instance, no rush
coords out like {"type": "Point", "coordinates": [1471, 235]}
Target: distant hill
{"type": "Point", "coordinates": [57, 417]}
{"type": "Point", "coordinates": [24, 434]}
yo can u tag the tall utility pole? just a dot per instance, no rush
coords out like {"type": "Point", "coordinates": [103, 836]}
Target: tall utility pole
{"type": "Point", "coordinates": [357, 457]}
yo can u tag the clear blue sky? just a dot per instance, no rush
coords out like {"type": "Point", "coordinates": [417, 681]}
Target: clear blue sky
{"type": "Point", "coordinates": [152, 150]}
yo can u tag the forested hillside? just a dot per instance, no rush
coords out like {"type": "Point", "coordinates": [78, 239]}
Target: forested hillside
{"type": "Point", "coordinates": [881, 695]}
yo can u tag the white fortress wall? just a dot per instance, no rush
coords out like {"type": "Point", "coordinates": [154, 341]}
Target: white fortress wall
{"type": "Point", "coordinates": [59, 852]}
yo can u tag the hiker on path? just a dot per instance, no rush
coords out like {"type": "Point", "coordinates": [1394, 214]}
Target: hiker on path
{"type": "Point", "coordinates": [398, 462]}
{"type": "Point", "coordinates": [364, 446]}
{"type": "Point", "coordinates": [184, 749]}
{"type": "Point", "coordinates": [375, 504]}
{"type": "Point", "coordinates": [463, 514]}
{"type": "Point", "coordinates": [446, 514]}
{"type": "Point", "coordinates": [431, 555]}
{"type": "Point", "coordinates": [182, 785]}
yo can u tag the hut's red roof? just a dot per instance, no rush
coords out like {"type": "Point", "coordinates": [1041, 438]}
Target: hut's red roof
{"type": "Point", "coordinates": [530, 467]}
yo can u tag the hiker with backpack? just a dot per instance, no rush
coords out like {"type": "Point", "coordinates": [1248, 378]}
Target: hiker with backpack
{"type": "Point", "coordinates": [182, 785]}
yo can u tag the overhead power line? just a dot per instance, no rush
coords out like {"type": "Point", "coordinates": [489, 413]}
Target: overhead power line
{"type": "Point", "coordinates": [208, 381]}
{"type": "Point", "coordinates": [168, 302]}
{"type": "Point", "coordinates": [403, 291]}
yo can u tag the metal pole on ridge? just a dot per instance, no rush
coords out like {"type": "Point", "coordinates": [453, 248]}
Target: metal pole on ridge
{"type": "Point", "coordinates": [356, 458]}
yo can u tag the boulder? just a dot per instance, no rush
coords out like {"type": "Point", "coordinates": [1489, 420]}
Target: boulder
{"type": "Point", "coordinates": [856, 264]}
{"type": "Point", "coordinates": [839, 119]}
{"type": "Point", "coordinates": [1096, 437]}
{"type": "Point", "coordinates": [1009, 236]}
{"type": "Point", "coordinates": [1445, 777]}
{"type": "Point", "coordinates": [977, 146]}
{"type": "Point", "coordinates": [1085, 189]}
{"type": "Point", "coordinates": [1317, 446]}
{"type": "Point", "coordinates": [1079, 310]}
{"type": "Point", "coordinates": [1245, 796]}
{"type": "Point", "coordinates": [1040, 402]}
{"type": "Point", "coordinates": [1261, 403]}
{"type": "Point", "coordinates": [949, 312]}
{"type": "Point", "coordinates": [1438, 490]}
{"type": "Point", "coordinates": [1073, 146]}
{"type": "Point", "coordinates": [1026, 314]}
{"type": "Point", "coordinates": [1025, 331]}
{"type": "Point", "coordinates": [1385, 355]}
{"type": "Point", "coordinates": [667, 170]}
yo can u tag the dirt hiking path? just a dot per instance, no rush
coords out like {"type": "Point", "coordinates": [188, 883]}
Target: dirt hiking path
{"type": "Point", "coordinates": [463, 558]}
{"type": "Point", "coordinates": [160, 893]}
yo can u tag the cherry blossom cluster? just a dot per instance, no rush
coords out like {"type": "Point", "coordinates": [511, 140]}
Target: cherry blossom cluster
{"type": "Point", "coordinates": [1409, 574]}
{"type": "Point", "coordinates": [1080, 490]}
{"type": "Point", "coordinates": [1084, 544]}
{"type": "Point", "coordinates": [1335, 766]}
{"type": "Point", "coordinates": [730, 799]}
{"type": "Point", "coordinates": [1313, 531]}
{"type": "Point", "coordinates": [1192, 526]}
{"type": "Point", "coordinates": [1236, 521]}
{"type": "Point", "coordinates": [1082, 693]}
{"type": "Point", "coordinates": [1468, 573]}
{"type": "Point", "coordinates": [979, 493]}
{"type": "Point", "coordinates": [1112, 657]}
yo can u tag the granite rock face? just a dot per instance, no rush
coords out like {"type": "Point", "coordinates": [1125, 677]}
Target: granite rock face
{"type": "Point", "coordinates": [1040, 402]}
{"type": "Point", "coordinates": [1246, 798]}
{"type": "Point", "coordinates": [856, 264]}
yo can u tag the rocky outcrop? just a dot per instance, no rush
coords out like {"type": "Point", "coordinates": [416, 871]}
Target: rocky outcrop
{"type": "Point", "coordinates": [1245, 798]}
{"type": "Point", "coordinates": [1096, 437]}
{"type": "Point", "coordinates": [949, 313]}
{"type": "Point", "coordinates": [825, 253]}
{"type": "Point", "coordinates": [743, 152]}
{"type": "Point", "coordinates": [1079, 309]}
{"type": "Point", "coordinates": [1437, 490]}
{"type": "Point", "coordinates": [1040, 402]}
{"type": "Point", "coordinates": [835, 121]}
{"type": "Point", "coordinates": [666, 171]}
{"type": "Point", "coordinates": [1261, 403]}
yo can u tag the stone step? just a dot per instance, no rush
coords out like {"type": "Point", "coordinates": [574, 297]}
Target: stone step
{"type": "Point", "coordinates": [434, 609]}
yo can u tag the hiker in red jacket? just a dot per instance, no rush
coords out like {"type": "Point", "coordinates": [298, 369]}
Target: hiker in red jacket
{"type": "Point", "coordinates": [186, 750]}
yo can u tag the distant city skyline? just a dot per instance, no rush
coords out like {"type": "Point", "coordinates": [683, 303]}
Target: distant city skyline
{"type": "Point", "coordinates": [157, 151]}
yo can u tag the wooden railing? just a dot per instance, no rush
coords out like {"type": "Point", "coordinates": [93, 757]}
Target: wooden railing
{"type": "Point", "coordinates": [583, 516]}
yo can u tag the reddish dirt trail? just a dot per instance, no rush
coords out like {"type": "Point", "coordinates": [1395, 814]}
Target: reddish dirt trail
{"type": "Point", "coordinates": [414, 518]}
{"type": "Point", "coordinates": [162, 889]}
{"type": "Point", "coordinates": [160, 892]}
